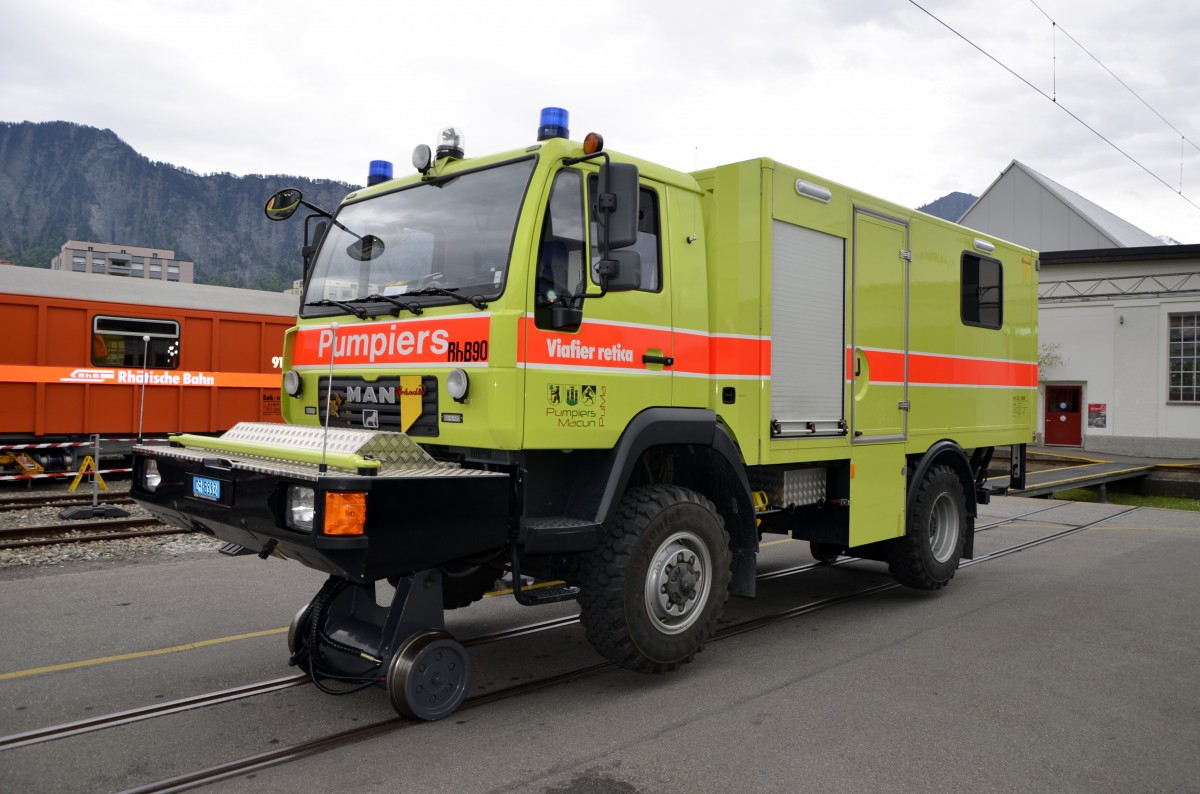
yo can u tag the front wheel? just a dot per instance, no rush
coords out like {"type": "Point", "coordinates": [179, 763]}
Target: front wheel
{"type": "Point", "coordinates": [928, 554]}
{"type": "Point", "coordinates": [653, 589]}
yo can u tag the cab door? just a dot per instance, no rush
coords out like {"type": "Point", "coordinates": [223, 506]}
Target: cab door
{"type": "Point", "coordinates": [585, 383]}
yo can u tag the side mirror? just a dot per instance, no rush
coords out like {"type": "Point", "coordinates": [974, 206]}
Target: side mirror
{"type": "Point", "coordinates": [621, 272]}
{"type": "Point", "coordinates": [617, 205]}
{"type": "Point", "coordinates": [283, 204]}
{"type": "Point", "coordinates": [365, 249]}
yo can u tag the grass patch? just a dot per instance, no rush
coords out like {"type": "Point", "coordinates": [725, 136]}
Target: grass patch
{"type": "Point", "coordinates": [1131, 499]}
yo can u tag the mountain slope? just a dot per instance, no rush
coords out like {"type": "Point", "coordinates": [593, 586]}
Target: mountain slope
{"type": "Point", "coordinates": [61, 181]}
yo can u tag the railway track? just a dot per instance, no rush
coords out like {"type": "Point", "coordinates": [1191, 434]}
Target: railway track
{"type": "Point", "coordinates": [284, 755]}
{"type": "Point", "coordinates": [13, 504]}
{"type": "Point", "coordinates": [57, 534]}
{"type": "Point", "coordinates": [295, 752]}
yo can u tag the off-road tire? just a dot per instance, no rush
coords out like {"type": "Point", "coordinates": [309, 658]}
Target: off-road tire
{"type": "Point", "coordinates": [625, 598]}
{"type": "Point", "coordinates": [928, 554]}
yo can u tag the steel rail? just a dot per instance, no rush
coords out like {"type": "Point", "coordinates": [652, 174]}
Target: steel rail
{"type": "Point", "coordinates": [295, 752]}
{"type": "Point", "coordinates": [55, 534]}
{"type": "Point", "coordinates": [60, 500]}
{"type": "Point", "coordinates": [39, 735]}
{"type": "Point", "coordinates": [68, 729]}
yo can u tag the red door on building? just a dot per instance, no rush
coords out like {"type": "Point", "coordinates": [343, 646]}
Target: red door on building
{"type": "Point", "coordinates": [1064, 419]}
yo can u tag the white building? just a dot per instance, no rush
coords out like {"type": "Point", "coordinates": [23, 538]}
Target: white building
{"type": "Point", "coordinates": [1121, 328]}
{"type": "Point", "coordinates": [1119, 316]}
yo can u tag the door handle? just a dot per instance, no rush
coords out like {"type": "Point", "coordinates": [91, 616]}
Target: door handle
{"type": "Point", "coordinates": [666, 361]}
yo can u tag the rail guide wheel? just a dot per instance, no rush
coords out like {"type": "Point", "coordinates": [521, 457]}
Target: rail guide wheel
{"type": "Point", "coordinates": [429, 676]}
{"type": "Point", "coordinates": [297, 636]}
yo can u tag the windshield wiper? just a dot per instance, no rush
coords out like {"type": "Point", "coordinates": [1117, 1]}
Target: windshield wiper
{"type": "Point", "coordinates": [451, 292]}
{"type": "Point", "coordinates": [357, 311]}
{"type": "Point", "coordinates": [415, 308]}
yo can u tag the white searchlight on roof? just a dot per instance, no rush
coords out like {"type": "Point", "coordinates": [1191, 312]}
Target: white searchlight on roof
{"type": "Point", "coordinates": [450, 143]}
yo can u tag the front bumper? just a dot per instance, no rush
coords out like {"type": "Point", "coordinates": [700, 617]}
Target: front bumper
{"type": "Point", "coordinates": [419, 513]}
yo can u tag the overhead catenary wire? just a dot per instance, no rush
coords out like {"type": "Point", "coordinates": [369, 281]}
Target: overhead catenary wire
{"type": "Point", "coordinates": [1055, 101]}
{"type": "Point", "coordinates": [1077, 43]}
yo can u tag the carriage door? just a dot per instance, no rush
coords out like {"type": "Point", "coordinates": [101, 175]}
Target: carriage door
{"type": "Point", "coordinates": [878, 359]}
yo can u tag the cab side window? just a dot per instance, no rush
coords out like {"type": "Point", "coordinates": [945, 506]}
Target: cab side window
{"type": "Point", "coordinates": [648, 236]}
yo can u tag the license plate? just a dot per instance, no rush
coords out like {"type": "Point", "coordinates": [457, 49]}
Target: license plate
{"type": "Point", "coordinates": [206, 488]}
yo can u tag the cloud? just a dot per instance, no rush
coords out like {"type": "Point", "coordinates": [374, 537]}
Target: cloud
{"type": "Point", "coordinates": [865, 92]}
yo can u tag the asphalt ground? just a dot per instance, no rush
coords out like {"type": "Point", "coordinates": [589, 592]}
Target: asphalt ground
{"type": "Point", "coordinates": [1070, 666]}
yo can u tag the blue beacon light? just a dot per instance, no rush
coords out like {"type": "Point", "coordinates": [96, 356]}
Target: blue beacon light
{"type": "Point", "coordinates": [380, 171]}
{"type": "Point", "coordinates": [553, 124]}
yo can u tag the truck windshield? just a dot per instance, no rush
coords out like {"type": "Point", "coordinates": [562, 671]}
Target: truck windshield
{"type": "Point", "coordinates": [448, 234]}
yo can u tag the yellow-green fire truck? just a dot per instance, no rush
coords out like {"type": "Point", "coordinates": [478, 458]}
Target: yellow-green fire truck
{"type": "Point", "coordinates": [565, 363]}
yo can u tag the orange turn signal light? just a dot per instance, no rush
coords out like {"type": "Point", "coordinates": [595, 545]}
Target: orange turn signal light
{"type": "Point", "coordinates": [345, 512]}
{"type": "Point", "coordinates": [594, 142]}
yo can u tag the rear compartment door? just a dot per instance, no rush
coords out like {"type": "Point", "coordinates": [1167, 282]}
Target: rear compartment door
{"type": "Point", "coordinates": [877, 361]}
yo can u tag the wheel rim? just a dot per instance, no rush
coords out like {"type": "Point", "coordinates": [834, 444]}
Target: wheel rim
{"type": "Point", "coordinates": [678, 582]}
{"type": "Point", "coordinates": [429, 676]}
{"type": "Point", "coordinates": [943, 527]}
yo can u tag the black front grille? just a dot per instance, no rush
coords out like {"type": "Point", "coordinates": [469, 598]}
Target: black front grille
{"type": "Point", "coordinates": [376, 404]}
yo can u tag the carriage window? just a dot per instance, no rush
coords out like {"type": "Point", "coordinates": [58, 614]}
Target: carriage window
{"type": "Point", "coordinates": [982, 292]}
{"type": "Point", "coordinates": [135, 342]}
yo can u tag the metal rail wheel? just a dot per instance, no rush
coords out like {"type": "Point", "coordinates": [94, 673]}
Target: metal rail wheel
{"type": "Point", "coordinates": [429, 676]}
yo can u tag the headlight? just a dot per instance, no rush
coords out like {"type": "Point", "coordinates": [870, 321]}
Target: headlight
{"type": "Point", "coordinates": [151, 477]}
{"type": "Point", "coordinates": [292, 383]}
{"type": "Point", "coordinates": [301, 507]}
{"type": "Point", "coordinates": [458, 384]}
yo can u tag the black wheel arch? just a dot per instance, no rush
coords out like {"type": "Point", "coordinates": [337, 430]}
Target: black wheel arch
{"type": "Point", "coordinates": [713, 466]}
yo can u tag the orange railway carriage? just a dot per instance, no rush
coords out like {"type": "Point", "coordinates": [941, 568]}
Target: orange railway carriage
{"type": "Point", "coordinates": [87, 354]}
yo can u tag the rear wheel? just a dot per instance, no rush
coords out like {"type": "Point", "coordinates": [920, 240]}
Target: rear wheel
{"type": "Point", "coordinates": [825, 552]}
{"type": "Point", "coordinates": [464, 584]}
{"type": "Point", "coordinates": [928, 554]}
{"type": "Point", "coordinates": [654, 587]}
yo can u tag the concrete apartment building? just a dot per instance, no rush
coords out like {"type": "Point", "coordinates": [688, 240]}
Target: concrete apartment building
{"type": "Point", "coordinates": [131, 261]}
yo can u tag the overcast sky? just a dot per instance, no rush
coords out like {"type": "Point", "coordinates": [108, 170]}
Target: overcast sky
{"type": "Point", "coordinates": [875, 94]}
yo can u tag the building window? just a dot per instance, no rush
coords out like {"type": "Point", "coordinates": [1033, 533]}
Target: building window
{"type": "Point", "coordinates": [135, 342]}
{"type": "Point", "coordinates": [982, 291]}
{"type": "Point", "coordinates": [1183, 358]}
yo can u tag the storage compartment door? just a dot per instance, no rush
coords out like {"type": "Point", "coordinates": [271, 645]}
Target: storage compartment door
{"type": "Point", "coordinates": [808, 285]}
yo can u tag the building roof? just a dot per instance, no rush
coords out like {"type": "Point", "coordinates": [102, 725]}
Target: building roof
{"type": "Point", "coordinates": [1067, 213]}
